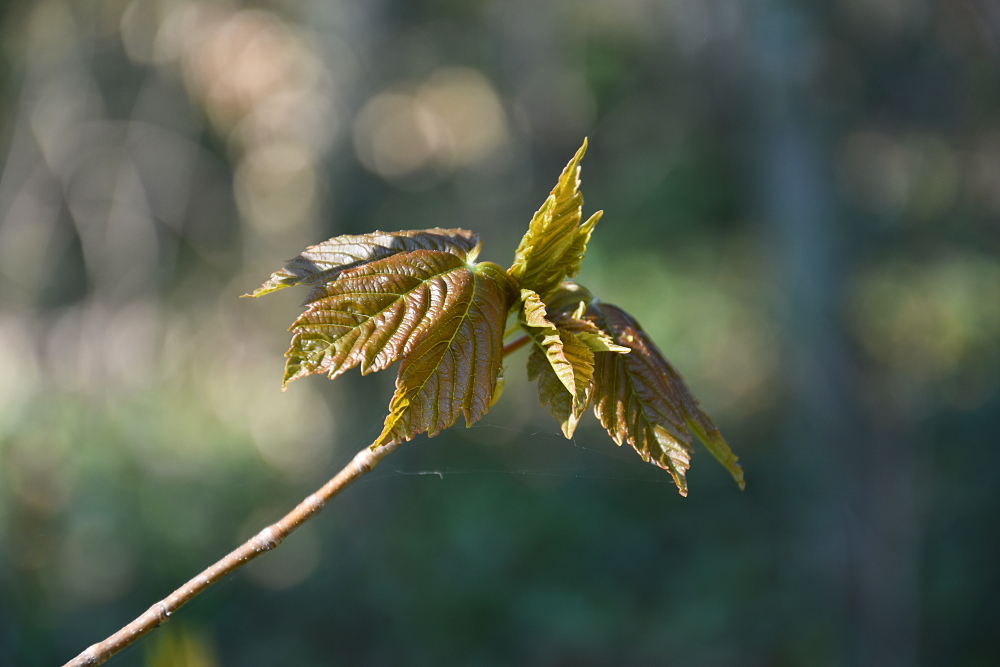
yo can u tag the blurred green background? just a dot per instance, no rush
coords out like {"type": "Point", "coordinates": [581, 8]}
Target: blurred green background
{"type": "Point", "coordinates": [803, 209]}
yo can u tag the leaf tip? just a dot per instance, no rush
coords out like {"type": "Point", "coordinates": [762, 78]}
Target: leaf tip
{"type": "Point", "coordinates": [568, 426]}
{"type": "Point", "coordinates": [737, 472]}
{"type": "Point", "coordinates": [573, 168]}
{"type": "Point", "coordinates": [717, 445]}
{"type": "Point", "coordinates": [680, 478]}
{"type": "Point", "coordinates": [473, 254]}
{"type": "Point", "coordinates": [592, 221]}
{"type": "Point", "coordinates": [260, 291]}
{"type": "Point", "coordinates": [273, 284]}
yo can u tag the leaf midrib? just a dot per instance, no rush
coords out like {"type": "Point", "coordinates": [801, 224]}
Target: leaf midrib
{"type": "Point", "coordinates": [434, 372]}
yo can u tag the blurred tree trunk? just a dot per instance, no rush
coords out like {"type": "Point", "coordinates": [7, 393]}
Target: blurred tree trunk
{"type": "Point", "coordinates": [858, 523]}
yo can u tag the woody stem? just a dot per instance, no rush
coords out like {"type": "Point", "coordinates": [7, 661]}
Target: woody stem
{"type": "Point", "coordinates": [257, 545]}
{"type": "Point", "coordinates": [516, 345]}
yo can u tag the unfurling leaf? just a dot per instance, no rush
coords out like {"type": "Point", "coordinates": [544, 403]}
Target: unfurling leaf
{"type": "Point", "coordinates": [562, 363]}
{"type": "Point", "coordinates": [589, 333]}
{"type": "Point", "coordinates": [556, 241]}
{"type": "Point", "coordinates": [325, 262]}
{"type": "Point", "coordinates": [641, 399]}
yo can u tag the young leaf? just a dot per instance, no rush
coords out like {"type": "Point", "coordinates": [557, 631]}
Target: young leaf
{"type": "Point", "coordinates": [378, 313]}
{"type": "Point", "coordinates": [555, 243]}
{"type": "Point", "coordinates": [589, 333]}
{"type": "Point", "coordinates": [641, 399]}
{"type": "Point", "coordinates": [552, 393]}
{"type": "Point", "coordinates": [325, 262]}
{"type": "Point", "coordinates": [569, 297]}
{"type": "Point", "coordinates": [453, 367]}
{"type": "Point", "coordinates": [560, 361]}
{"type": "Point", "coordinates": [571, 360]}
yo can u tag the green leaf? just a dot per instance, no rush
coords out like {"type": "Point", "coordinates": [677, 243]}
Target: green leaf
{"type": "Point", "coordinates": [556, 241]}
{"type": "Point", "coordinates": [640, 398]}
{"type": "Point", "coordinates": [453, 368]}
{"type": "Point", "coordinates": [325, 262]}
{"type": "Point", "coordinates": [561, 362]}
{"type": "Point", "coordinates": [552, 392]}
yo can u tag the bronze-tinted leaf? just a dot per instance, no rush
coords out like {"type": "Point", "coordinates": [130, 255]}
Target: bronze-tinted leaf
{"type": "Point", "coordinates": [375, 314]}
{"type": "Point", "coordinates": [640, 398]}
{"type": "Point", "coordinates": [325, 262]}
{"type": "Point", "coordinates": [453, 367]}
{"type": "Point", "coordinates": [555, 243]}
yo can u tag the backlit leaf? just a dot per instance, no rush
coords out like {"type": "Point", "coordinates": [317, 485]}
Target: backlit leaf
{"type": "Point", "coordinates": [325, 262]}
{"type": "Point", "coordinates": [561, 362]}
{"type": "Point", "coordinates": [453, 368]}
{"type": "Point", "coordinates": [556, 241]}
{"type": "Point", "coordinates": [562, 358]}
{"type": "Point", "coordinates": [380, 312]}
{"type": "Point", "coordinates": [553, 394]}
{"type": "Point", "coordinates": [641, 399]}
{"type": "Point", "coordinates": [589, 333]}
{"type": "Point", "coordinates": [568, 297]}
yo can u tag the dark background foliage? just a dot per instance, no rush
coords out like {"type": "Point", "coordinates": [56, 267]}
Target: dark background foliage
{"type": "Point", "coordinates": [803, 209]}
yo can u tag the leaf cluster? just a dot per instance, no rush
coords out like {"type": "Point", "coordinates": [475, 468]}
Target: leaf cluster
{"type": "Point", "coordinates": [420, 297]}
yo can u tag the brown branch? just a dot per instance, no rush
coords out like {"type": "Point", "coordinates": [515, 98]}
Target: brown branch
{"type": "Point", "coordinates": [516, 345]}
{"type": "Point", "coordinates": [260, 543]}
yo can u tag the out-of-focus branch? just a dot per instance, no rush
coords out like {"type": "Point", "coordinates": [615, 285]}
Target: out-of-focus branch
{"type": "Point", "coordinates": [260, 543]}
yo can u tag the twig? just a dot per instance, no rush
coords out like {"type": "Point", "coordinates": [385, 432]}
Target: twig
{"type": "Point", "coordinates": [516, 345]}
{"type": "Point", "coordinates": [260, 543]}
